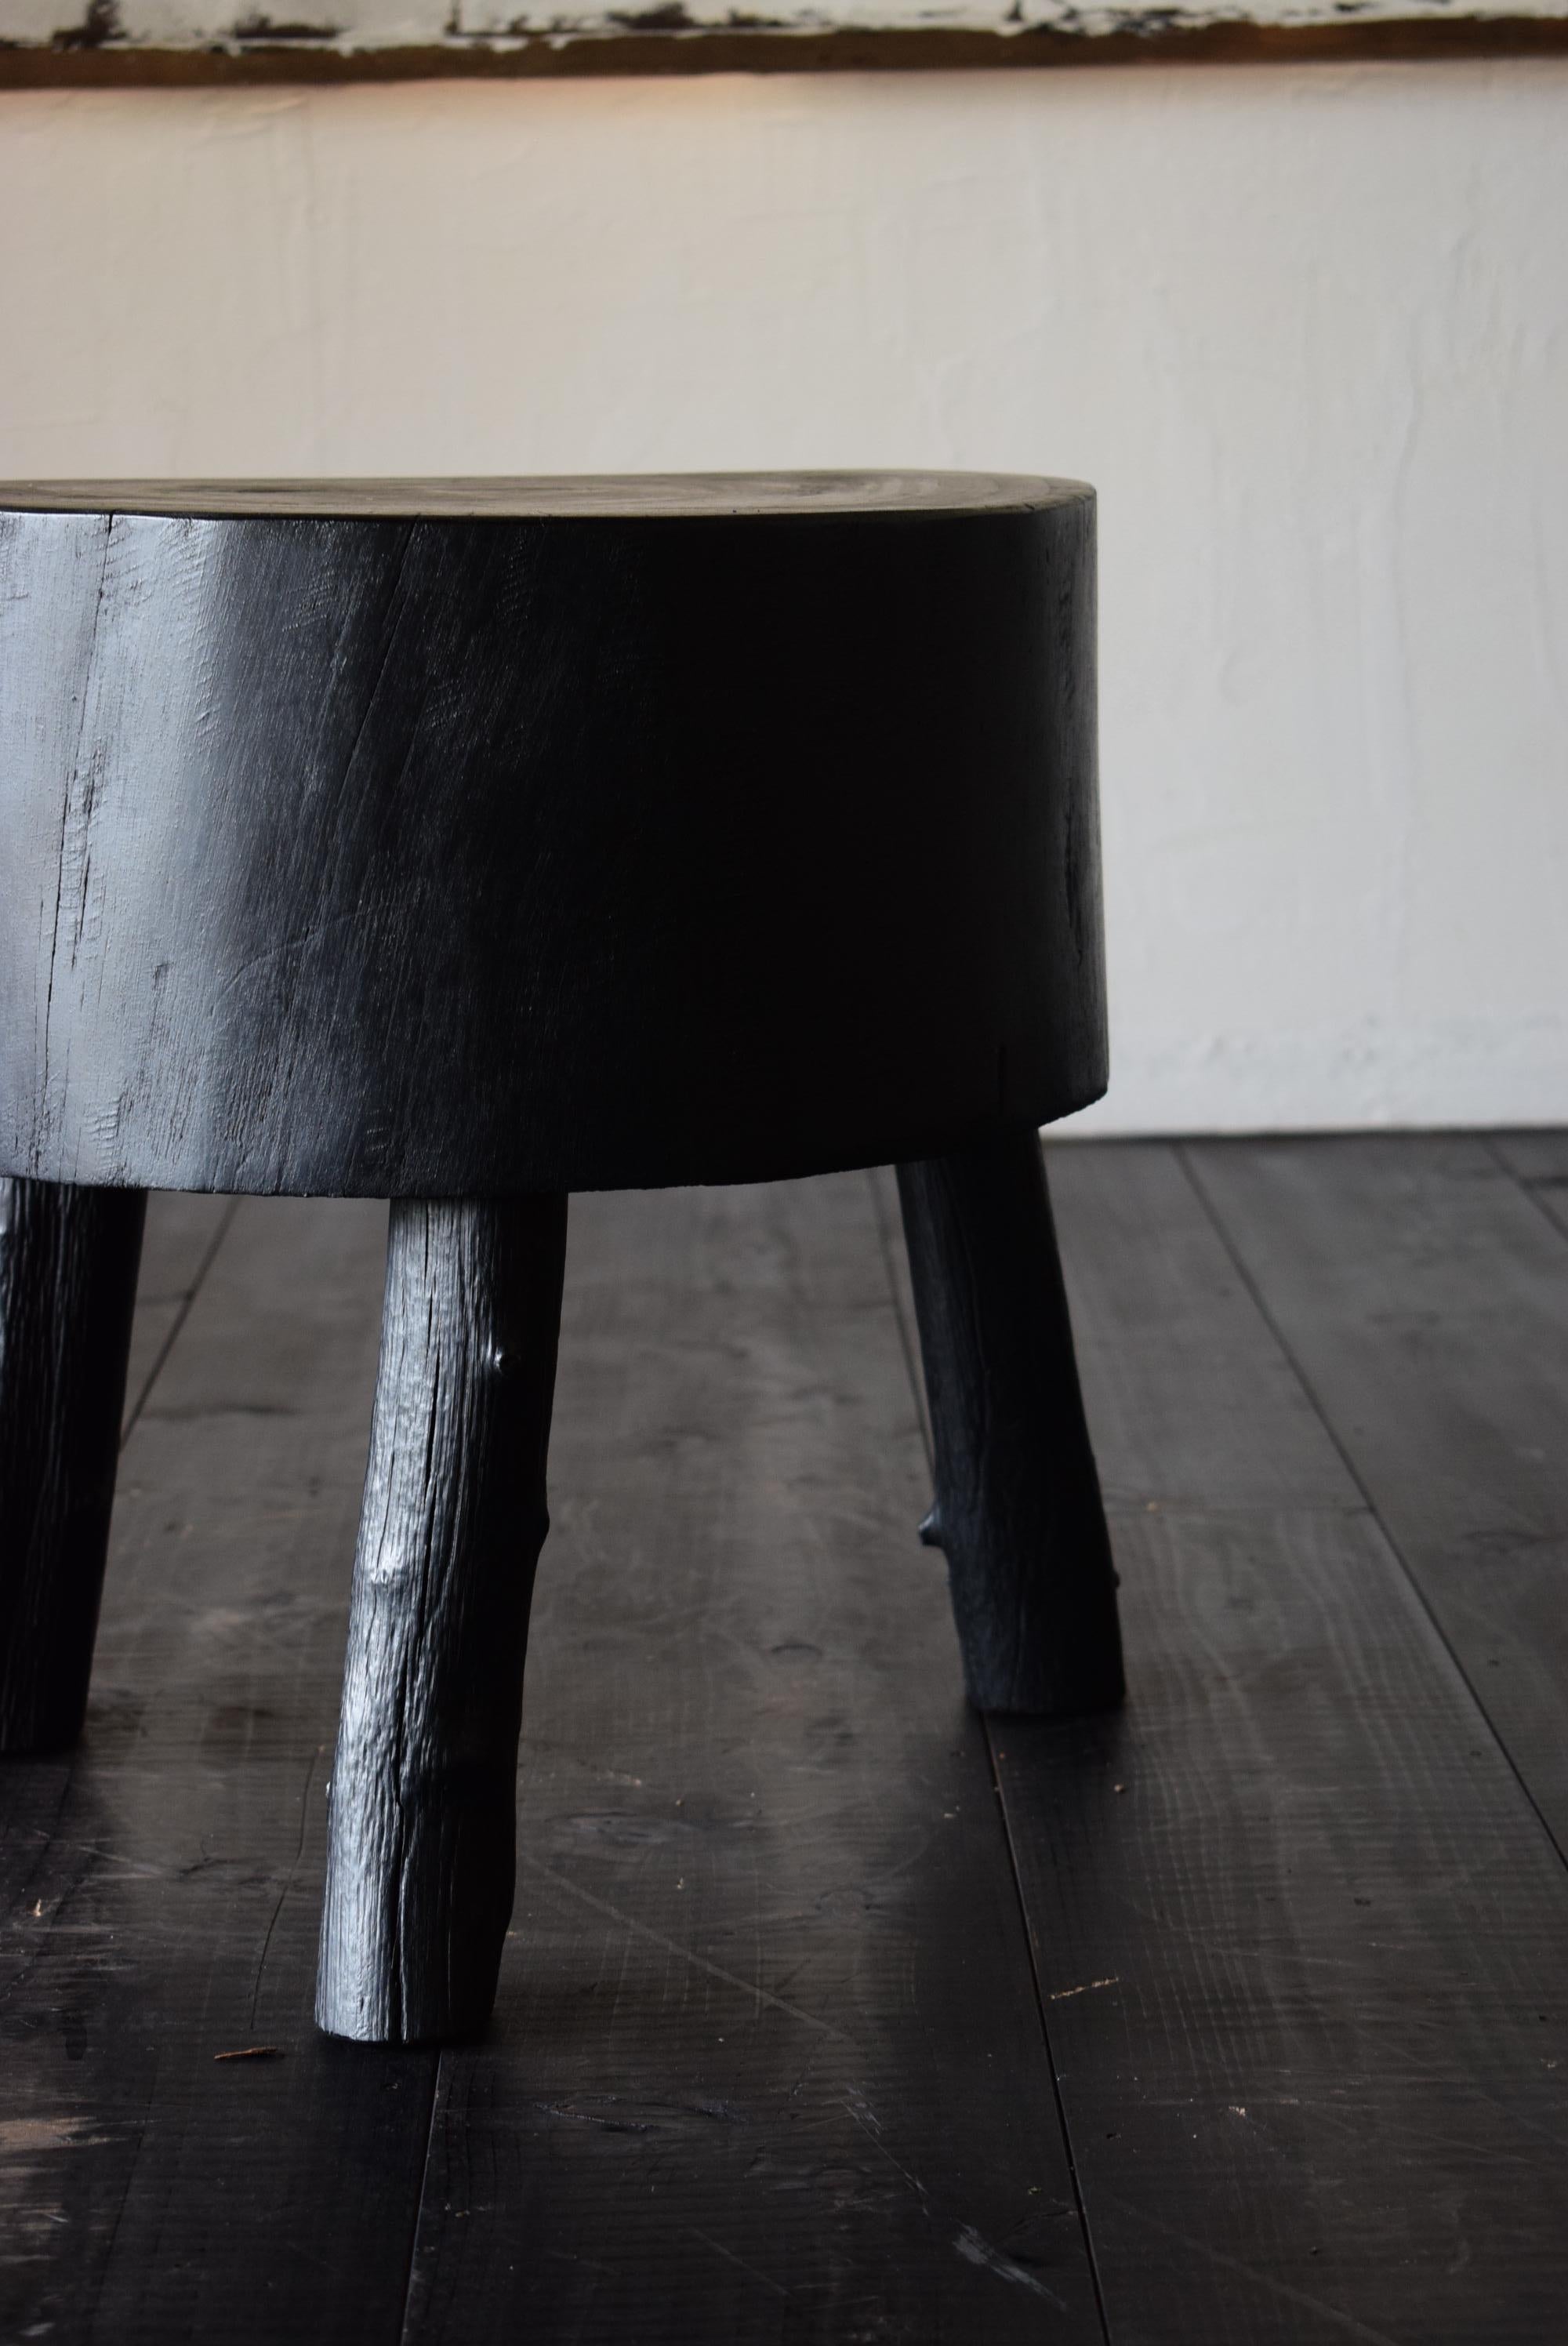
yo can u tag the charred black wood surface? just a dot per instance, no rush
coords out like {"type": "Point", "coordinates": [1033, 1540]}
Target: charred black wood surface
{"type": "Point", "coordinates": [445, 841]}
{"type": "Point", "coordinates": [436, 839]}
{"type": "Point", "coordinates": [68, 1262]}
{"type": "Point", "coordinates": [424, 1792]}
{"type": "Point", "coordinates": [1018, 1511]}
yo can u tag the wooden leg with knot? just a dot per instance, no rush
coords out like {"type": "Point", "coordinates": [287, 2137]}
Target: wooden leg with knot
{"type": "Point", "coordinates": [423, 1793]}
{"type": "Point", "coordinates": [68, 1261]}
{"type": "Point", "coordinates": [1018, 1509]}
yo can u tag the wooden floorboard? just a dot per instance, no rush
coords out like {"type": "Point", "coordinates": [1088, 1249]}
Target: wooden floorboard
{"type": "Point", "coordinates": [1300, 1934]}
{"type": "Point", "coordinates": [161, 1887]}
{"type": "Point", "coordinates": [767, 2062]}
{"type": "Point", "coordinates": [1424, 1298]}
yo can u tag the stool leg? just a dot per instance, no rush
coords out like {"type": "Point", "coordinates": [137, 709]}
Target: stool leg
{"type": "Point", "coordinates": [69, 1260]}
{"type": "Point", "coordinates": [423, 1795]}
{"type": "Point", "coordinates": [1018, 1508]}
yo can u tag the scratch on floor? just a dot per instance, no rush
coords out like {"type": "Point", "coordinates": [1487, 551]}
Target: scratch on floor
{"type": "Point", "coordinates": [125, 1869]}
{"type": "Point", "coordinates": [866, 2118]}
{"type": "Point", "coordinates": [1060, 1995]}
{"type": "Point", "coordinates": [1345, 2322]}
{"type": "Point", "coordinates": [20, 2138]}
{"type": "Point", "coordinates": [719, 2250]}
{"type": "Point", "coordinates": [592, 2117]}
{"type": "Point", "coordinates": [288, 1880]}
{"type": "Point", "coordinates": [761, 1996]}
{"type": "Point", "coordinates": [979, 2251]}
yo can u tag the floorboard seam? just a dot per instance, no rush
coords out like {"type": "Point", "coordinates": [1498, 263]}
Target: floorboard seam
{"type": "Point", "coordinates": [907, 1341]}
{"type": "Point", "coordinates": [161, 1360]}
{"type": "Point", "coordinates": [154, 1371]}
{"type": "Point", "coordinates": [913, 1372]}
{"type": "Point", "coordinates": [1195, 1179]}
{"type": "Point", "coordinates": [1527, 1187]}
{"type": "Point", "coordinates": [1083, 2225]}
{"type": "Point", "coordinates": [405, 2326]}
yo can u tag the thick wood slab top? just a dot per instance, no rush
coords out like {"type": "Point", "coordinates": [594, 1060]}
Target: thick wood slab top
{"type": "Point", "coordinates": [583, 496]}
{"type": "Point", "coordinates": [465, 850]}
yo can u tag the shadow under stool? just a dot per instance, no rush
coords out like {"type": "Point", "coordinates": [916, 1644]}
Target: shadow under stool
{"type": "Point", "coordinates": [469, 843]}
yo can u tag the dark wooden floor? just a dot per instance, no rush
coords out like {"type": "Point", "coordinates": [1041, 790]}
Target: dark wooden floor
{"type": "Point", "coordinates": [832, 2013]}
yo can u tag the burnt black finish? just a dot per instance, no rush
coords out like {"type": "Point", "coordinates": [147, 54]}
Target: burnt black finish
{"type": "Point", "coordinates": [68, 1262]}
{"type": "Point", "coordinates": [456, 841]}
{"type": "Point", "coordinates": [1018, 1511]}
{"type": "Point", "coordinates": [423, 1795]}
{"type": "Point", "coordinates": [438, 840]}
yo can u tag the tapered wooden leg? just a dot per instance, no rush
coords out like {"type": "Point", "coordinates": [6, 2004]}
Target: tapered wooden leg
{"type": "Point", "coordinates": [424, 1794]}
{"type": "Point", "coordinates": [68, 1260]}
{"type": "Point", "coordinates": [1018, 1508]}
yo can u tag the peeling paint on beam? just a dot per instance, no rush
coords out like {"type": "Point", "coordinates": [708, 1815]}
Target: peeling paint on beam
{"type": "Point", "coordinates": [258, 52]}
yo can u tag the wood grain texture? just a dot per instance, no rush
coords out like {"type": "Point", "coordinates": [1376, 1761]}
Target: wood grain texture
{"type": "Point", "coordinates": [423, 1791]}
{"type": "Point", "coordinates": [1018, 1510]}
{"type": "Point", "coordinates": [546, 852]}
{"type": "Point", "coordinates": [1425, 1299]}
{"type": "Point", "coordinates": [161, 1887]}
{"type": "Point", "coordinates": [766, 2063]}
{"type": "Point", "coordinates": [67, 1290]}
{"type": "Point", "coordinates": [587, 496]}
{"type": "Point", "coordinates": [1298, 1935]}
{"type": "Point", "coordinates": [254, 53]}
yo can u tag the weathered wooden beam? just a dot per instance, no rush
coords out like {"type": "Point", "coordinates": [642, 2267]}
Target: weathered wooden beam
{"type": "Point", "coordinates": [666, 40]}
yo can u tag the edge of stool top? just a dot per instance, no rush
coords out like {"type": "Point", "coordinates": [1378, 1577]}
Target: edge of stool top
{"type": "Point", "coordinates": [444, 838]}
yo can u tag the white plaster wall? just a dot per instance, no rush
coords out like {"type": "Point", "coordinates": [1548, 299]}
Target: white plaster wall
{"type": "Point", "coordinates": [1307, 327]}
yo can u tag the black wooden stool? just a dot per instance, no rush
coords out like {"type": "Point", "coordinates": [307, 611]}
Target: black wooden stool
{"type": "Point", "coordinates": [468, 843]}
